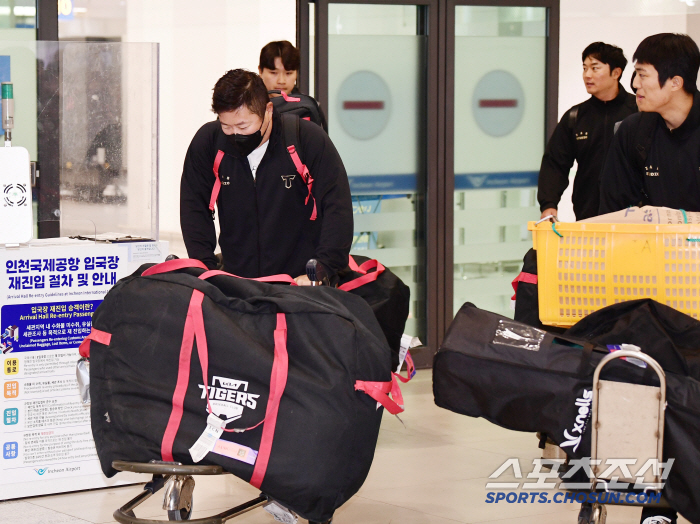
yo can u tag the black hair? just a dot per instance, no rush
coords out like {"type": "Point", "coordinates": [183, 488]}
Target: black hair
{"type": "Point", "coordinates": [285, 50]}
{"type": "Point", "coordinates": [238, 88]}
{"type": "Point", "coordinates": [606, 53]}
{"type": "Point", "coordinates": [671, 55]}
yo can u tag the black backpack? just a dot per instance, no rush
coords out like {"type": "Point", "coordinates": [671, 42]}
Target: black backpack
{"type": "Point", "coordinates": [290, 134]}
{"type": "Point", "coordinates": [301, 105]}
{"type": "Point", "coordinates": [386, 294]}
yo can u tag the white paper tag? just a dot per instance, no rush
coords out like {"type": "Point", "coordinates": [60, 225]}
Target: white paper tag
{"type": "Point", "coordinates": [407, 342]}
{"type": "Point", "coordinates": [207, 440]}
{"type": "Point", "coordinates": [280, 514]}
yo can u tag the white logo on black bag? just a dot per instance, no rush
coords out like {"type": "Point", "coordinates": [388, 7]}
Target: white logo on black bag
{"type": "Point", "coordinates": [584, 414]}
{"type": "Point", "coordinates": [651, 171]}
{"type": "Point", "coordinates": [229, 397]}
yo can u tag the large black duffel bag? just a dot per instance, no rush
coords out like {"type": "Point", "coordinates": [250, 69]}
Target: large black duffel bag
{"type": "Point", "coordinates": [672, 338]}
{"type": "Point", "coordinates": [525, 379]}
{"type": "Point", "coordinates": [299, 369]}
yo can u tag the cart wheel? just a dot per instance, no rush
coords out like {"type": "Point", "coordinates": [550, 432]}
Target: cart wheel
{"type": "Point", "coordinates": [598, 514]}
{"type": "Point", "coordinates": [584, 514]}
{"type": "Point", "coordinates": [181, 514]}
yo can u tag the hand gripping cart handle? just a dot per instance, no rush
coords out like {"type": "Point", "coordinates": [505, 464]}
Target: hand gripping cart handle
{"type": "Point", "coordinates": [317, 273]}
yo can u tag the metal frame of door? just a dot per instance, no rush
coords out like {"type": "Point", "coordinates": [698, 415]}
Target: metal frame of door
{"type": "Point", "coordinates": [439, 197]}
{"type": "Point", "coordinates": [48, 153]}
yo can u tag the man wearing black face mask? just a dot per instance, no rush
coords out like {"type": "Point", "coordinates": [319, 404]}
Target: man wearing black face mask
{"type": "Point", "coordinates": [273, 218]}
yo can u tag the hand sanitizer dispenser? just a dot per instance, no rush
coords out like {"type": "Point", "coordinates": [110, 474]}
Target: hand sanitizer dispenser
{"type": "Point", "coordinates": [16, 221]}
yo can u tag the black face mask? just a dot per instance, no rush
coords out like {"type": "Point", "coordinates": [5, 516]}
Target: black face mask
{"type": "Point", "coordinates": [246, 144]}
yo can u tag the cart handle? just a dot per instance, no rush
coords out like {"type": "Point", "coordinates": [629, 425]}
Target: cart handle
{"type": "Point", "coordinates": [662, 399]}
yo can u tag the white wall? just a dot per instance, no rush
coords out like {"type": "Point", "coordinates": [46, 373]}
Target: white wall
{"type": "Point", "coordinates": [199, 42]}
{"type": "Point", "coordinates": [624, 23]}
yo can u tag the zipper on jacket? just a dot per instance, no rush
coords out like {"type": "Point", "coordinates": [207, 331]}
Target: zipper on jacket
{"type": "Point", "coordinates": [257, 208]}
{"type": "Point", "coordinates": [257, 213]}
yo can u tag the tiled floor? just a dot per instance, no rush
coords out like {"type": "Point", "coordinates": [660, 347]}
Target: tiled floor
{"type": "Point", "coordinates": [430, 469]}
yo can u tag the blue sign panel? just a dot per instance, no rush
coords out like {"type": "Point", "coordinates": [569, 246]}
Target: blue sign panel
{"type": "Point", "coordinates": [10, 450]}
{"type": "Point", "coordinates": [388, 184]}
{"type": "Point", "coordinates": [510, 180]}
{"type": "Point", "coordinates": [39, 327]}
{"type": "Point", "coordinates": [11, 416]}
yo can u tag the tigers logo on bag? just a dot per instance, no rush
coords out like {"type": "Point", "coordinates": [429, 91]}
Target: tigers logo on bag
{"type": "Point", "coordinates": [229, 397]}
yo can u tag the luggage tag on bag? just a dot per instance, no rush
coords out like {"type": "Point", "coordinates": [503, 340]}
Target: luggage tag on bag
{"type": "Point", "coordinates": [407, 342]}
{"type": "Point", "coordinates": [628, 347]}
{"type": "Point", "coordinates": [235, 451]}
{"type": "Point", "coordinates": [207, 440]}
{"type": "Point", "coordinates": [280, 513]}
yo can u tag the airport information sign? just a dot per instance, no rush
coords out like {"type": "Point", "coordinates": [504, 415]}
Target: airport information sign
{"type": "Point", "coordinates": [48, 296]}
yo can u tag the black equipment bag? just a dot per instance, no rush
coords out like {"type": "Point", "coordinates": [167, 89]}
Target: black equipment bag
{"type": "Point", "coordinates": [525, 379]}
{"type": "Point", "coordinates": [674, 336]}
{"type": "Point", "coordinates": [301, 105]}
{"type": "Point", "coordinates": [671, 338]}
{"type": "Point", "coordinates": [513, 375]}
{"type": "Point", "coordinates": [386, 294]}
{"type": "Point", "coordinates": [299, 369]}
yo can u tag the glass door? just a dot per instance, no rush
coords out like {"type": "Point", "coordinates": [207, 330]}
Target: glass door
{"type": "Point", "coordinates": [376, 100]}
{"type": "Point", "coordinates": [440, 110]}
{"type": "Point", "coordinates": [499, 131]}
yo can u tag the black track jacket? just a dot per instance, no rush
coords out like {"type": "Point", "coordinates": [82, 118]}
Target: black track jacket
{"type": "Point", "coordinates": [671, 174]}
{"type": "Point", "coordinates": [588, 144]}
{"type": "Point", "coordinates": [265, 226]}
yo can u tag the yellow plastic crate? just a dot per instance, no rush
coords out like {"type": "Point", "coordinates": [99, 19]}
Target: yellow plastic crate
{"type": "Point", "coordinates": [595, 265]}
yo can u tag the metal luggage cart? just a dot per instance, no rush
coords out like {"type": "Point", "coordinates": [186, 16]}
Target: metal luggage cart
{"type": "Point", "coordinates": [627, 422]}
{"type": "Point", "coordinates": [178, 481]}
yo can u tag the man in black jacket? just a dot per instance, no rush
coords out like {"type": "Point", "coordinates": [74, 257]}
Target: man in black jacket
{"type": "Point", "coordinates": [655, 156]}
{"type": "Point", "coordinates": [273, 218]}
{"type": "Point", "coordinates": [585, 132]}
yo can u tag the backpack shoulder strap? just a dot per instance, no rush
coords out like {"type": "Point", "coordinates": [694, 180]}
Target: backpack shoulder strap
{"type": "Point", "coordinates": [217, 182]}
{"type": "Point", "coordinates": [290, 131]}
{"type": "Point", "coordinates": [573, 117]}
{"type": "Point", "coordinates": [643, 137]}
{"type": "Point", "coordinates": [290, 135]}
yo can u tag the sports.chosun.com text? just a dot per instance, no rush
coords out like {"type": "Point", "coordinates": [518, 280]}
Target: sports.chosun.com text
{"type": "Point", "coordinates": [542, 497]}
